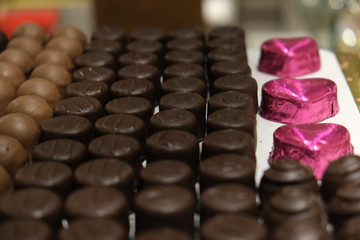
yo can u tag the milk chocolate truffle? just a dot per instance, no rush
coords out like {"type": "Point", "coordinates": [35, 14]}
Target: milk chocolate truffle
{"type": "Point", "coordinates": [3, 40]}
{"type": "Point", "coordinates": [186, 45]}
{"type": "Point", "coordinates": [68, 45]}
{"type": "Point", "coordinates": [42, 88]}
{"type": "Point", "coordinates": [53, 56]}
{"type": "Point", "coordinates": [180, 56]}
{"type": "Point", "coordinates": [53, 72]}
{"type": "Point", "coordinates": [98, 90]}
{"type": "Point", "coordinates": [30, 45]}
{"type": "Point", "coordinates": [231, 99]}
{"type": "Point", "coordinates": [226, 31]}
{"type": "Point", "coordinates": [344, 170]}
{"type": "Point", "coordinates": [146, 46]}
{"type": "Point", "coordinates": [96, 59]}
{"type": "Point", "coordinates": [137, 106]}
{"type": "Point", "coordinates": [11, 73]}
{"type": "Point", "coordinates": [66, 151]}
{"type": "Point", "coordinates": [25, 229]}
{"type": "Point", "coordinates": [102, 45]}
{"type": "Point", "coordinates": [190, 32]}
{"type": "Point", "coordinates": [88, 107]}
{"type": "Point", "coordinates": [184, 70]}
{"type": "Point", "coordinates": [18, 57]}
{"type": "Point", "coordinates": [33, 203]}
{"type": "Point", "coordinates": [96, 74]}
{"type": "Point", "coordinates": [286, 173]}
{"type": "Point", "coordinates": [6, 187]}
{"type": "Point", "coordinates": [69, 32]}
{"type": "Point", "coordinates": [121, 123]}
{"type": "Point", "coordinates": [173, 119]}
{"type": "Point", "coordinates": [164, 233]}
{"type": "Point", "coordinates": [93, 229]}
{"type": "Point", "coordinates": [22, 127]}
{"type": "Point", "coordinates": [31, 105]}
{"type": "Point", "coordinates": [31, 30]}
{"type": "Point", "coordinates": [229, 141]}
{"type": "Point", "coordinates": [54, 176]}
{"type": "Point", "coordinates": [227, 198]}
{"type": "Point", "coordinates": [294, 204]}
{"type": "Point", "coordinates": [137, 58]}
{"type": "Point", "coordinates": [148, 33]}
{"type": "Point", "coordinates": [220, 54]}
{"type": "Point", "coordinates": [227, 168]}
{"type": "Point", "coordinates": [173, 144]}
{"type": "Point", "coordinates": [7, 94]}
{"type": "Point", "coordinates": [232, 118]}
{"type": "Point", "coordinates": [12, 154]}
{"type": "Point", "coordinates": [67, 126]}
{"type": "Point", "coordinates": [227, 67]}
{"type": "Point", "coordinates": [133, 87]}
{"type": "Point", "coordinates": [233, 226]}
{"type": "Point", "coordinates": [110, 32]}
{"type": "Point", "coordinates": [165, 206]}
{"type": "Point", "coordinates": [232, 43]}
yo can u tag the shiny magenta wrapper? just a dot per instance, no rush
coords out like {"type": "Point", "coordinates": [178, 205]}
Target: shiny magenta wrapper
{"type": "Point", "coordinates": [289, 57]}
{"type": "Point", "coordinates": [289, 100]}
{"type": "Point", "coordinates": [314, 145]}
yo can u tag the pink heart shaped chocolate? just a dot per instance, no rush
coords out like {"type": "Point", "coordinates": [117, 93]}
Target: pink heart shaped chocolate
{"type": "Point", "coordinates": [289, 100]}
{"type": "Point", "coordinates": [314, 145]}
{"type": "Point", "coordinates": [289, 57]}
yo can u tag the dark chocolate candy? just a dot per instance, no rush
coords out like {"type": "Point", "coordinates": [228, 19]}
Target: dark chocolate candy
{"type": "Point", "coordinates": [227, 67]}
{"type": "Point", "coordinates": [98, 90]}
{"type": "Point", "coordinates": [164, 233]}
{"type": "Point", "coordinates": [110, 32]}
{"type": "Point", "coordinates": [25, 229]}
{"type": "Point", "coordinates": [181, 56]}
{"type": "Point", "coordinates": [190, 32]}
{"type": "Point", "coordinates": [103, 45]}
{"type": "Point", "coordinates": [97, 74]}
{"type": "Point", "coordinates": [186, 45]}
{"type": "Point", "coordinates": [231, 99]}
{"type": "Point", "coordinates": [184, 84]}
{"type": "Point", "coordinates": [133, 87]}
{"type": "Point", "coordinates": [137, 58]}
{"type": "Point", "coordinates": [96, 59]}
{"type": "Point", "coordinates": [221, 54]}
{"type": "Point", "coordinates": [184, 70]}
{"type": "Point", "coordinates": [350, 229]}
{"type": "Point", "coordinates": [146, 46]}
{"type": "Point", "coordinates": [226, 31]}
{"type": "Point", "coordinates": [231, 43]}
{"type": "Point", "coordinates": [148, 33]}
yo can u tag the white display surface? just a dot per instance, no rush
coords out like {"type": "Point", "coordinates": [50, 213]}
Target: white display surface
{"type": "Point", "coordinates": [348, 115]}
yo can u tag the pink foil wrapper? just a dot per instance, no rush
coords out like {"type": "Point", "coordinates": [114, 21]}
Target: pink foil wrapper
{"type": "Point", "coordinates": [289, 57]}
{"type": "Point", "coordinates": [289, 100]}
{"type": "Point", "coordinates": [314, 145]}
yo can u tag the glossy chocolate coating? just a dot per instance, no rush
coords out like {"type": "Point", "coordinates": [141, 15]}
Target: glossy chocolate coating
{"type": "Point", "coordinates": [54, 176]}
{"type": "Point", "coordinates": [96, 59]}
{"type": "Point", "coordinates": [27, 44]}
{"type": "Point", "coordinates": [164, 233]}
{"type": "Point", "coordinates": [184, 70]}
{"type": "Point", "coordinates": [67, 151]}
{"type": "Point", "coordinates": [232, 43]}
{"type": "Point", "coordinates": [32, 30]}
{"type": "Point", "coordinates": [231, 99]}
{"type": "Point", "coordinates": [7, 94]}
{"type": "Point", "coordinates": [227, 67]}
{"type": "Point", "coordinates": [180, 56]}
{"type": "Point", "coordinates": [165, 206]}
{"type": "Point", "coordinates": [227, 198]}
{"type": "Point", "coordinates": [70, 32]}
{"type": "Point", "coordinates": [148, 33]}
{"type": "Point", "coordinates": [25, 229]}
{"type": "Point", "coordinates": [12, 154]}
{"type": "Point", "coordinates": [186, 45]}
{"type": "Point", "coordinates": [54, 56]}
{"type": "Point", "coordinates": [344, 170]}
{"type": "Point", "coordinates": [102, 45]}
{"type": "Point", "coordinates": [6, 186]}
{"type": "Point", "coordinates": [121, 123]}
{"type": "Point", "coordinates": [93, 229]}
{"type": "Point", "coordinates": [146, 46]}
{"type": "Point", "coordinates": [18, 57]}
{"type": "Point", "coordinates": [110, 32]}
{"type": "Point", "coordinates": [232, 226]}
{"type": "Point", "coordinates": [137, 58]}
{"type": "Point", "coordinates": [173, 119]}
{"type": "Point", "coordinates": [190, 32]}
{"type": "Point", "coordinates": [98, 90]}
{"type": "Point", "coordinates": [226, 31]}
{"type": "Point", "coordinates": [229, 141]}
{"type": "Point", "coordinates": [57, 74]}
{"type": "Point", "coordinates": [221, 54]}
{"type": "Point", "coordinates": [286, 173]}
{"type": "Point", "coordinates": [70, 46]}
{"type": "Point", "coordinates": [67, 126]}
{"type": "Point", "coordinates": [88, 107]}
{"type": "Point", "coordinates": [96, 74]}
{"type": "Point", "coordinates": [232, 118]}
{"type": "Point", "coordinates": [3, 40]}
{"type": "Point", "coordinates": [133, 87]}
{"type": "Point", "coordinates": [173, 144]}
{"type": "Point", "coordinates": [137, 106]}
{"type": "Point", "coordinates": [227, 168]}
{"type": "Point", "coordinates": [11, 73]}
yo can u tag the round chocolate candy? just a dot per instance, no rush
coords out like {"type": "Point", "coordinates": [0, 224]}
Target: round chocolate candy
{"type": "Point", "coordinates": [103, 45]}
{"type": "Point", "coordinates": [184, 84]}
{"type": "Point", "coordinates": [88, 107]}
{"type": "Point", "coordinates": [56, 73]}
{"type": "Point", "coordinates": [32, 30]}
{"type": "Point", "coordinates": [11, 73]}
{"type": "Point", "coordinates": [146, 46]}
{"type": "Point", "coordinates": [350, 229]}
{"type": "Point", "coordinates": [97, 74]}
{"type": "Point", "coordinates": [54, 56]}
{"type": "Point", "coordinates": [25, 229]}
{"type": "Point", "coordinates": [134, 87]}
{"type": "Point", "coordinates": [233, 226]}
{"type": "Point", "coordinates": [165, 206]}
{"type": "Point", "coordinates": [66, 151]}
{"type": "Point", "coordinates": [186, 45]}
{"type": "Point", "coordinates": [6, 186]}
{"type": "Point", "coordinates": [148, 33]}
{"type": "Point", "coordinates": [110, 32]}
{"type": "Point", "coordinates": [33, 106]}
{"type": "Point", "coordinates": [27, 44]}
{"type": "Point", "coordinates": [231, 99]}
{"type": "Point", "coordinates": [3, 40]}
{"type": "Point", "coordinates": [93, 229]}
{"type": "Point", "coordinates": [54, 176]}
{"type": "Point", "coordinates": [96, 59]}
{"type": "Point", "coordinates": [232, 43]}
{"type": "Point", "coordinates": [98, 90]}
{"type": "Point", "coordinates": [67, 126]}
{"type": "Point", "coordinates": [226, 31]}
{"type": "Point", "coordinates": [221, 54]}
{"type": "Point", "coordinates": [181, 56]}
{"type": "Point", "coordinates": [227, 168]}
{"type": "Point", "coordinates": [42, 88]}
{"type": "Point", "coordinates": [229, 141]}
{"type": "Point", "coordinates": [68, 45]}
{"type": "Point", "coordinates": [164, 233]}
{"type": "Point", "coordinates": [191, 32]}
{"type": "Point", "coordinates": [227, 67]}
{"type": "Point", "coordinates": [137, 58]}
{"type": "Point", "coordinates": [184, 70]}
{"type": "Point", "coordinates": [173, 119]}
{"type": "Point", "coordinates": [12, 154]}
{"type": "Point", "coordinates": [69, 32]}
{"type": "Point", "coordinates": [18, 57]}
{"type": "Point", "coordinates": [7, 94]}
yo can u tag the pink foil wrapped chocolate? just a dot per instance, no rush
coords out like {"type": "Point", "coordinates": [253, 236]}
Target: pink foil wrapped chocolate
{"type": "Point", "coordinates": [289, 100]}
{"type": "Point", "coordinates": [314, 145]}
{"type": "Point", "coordinates": [289, 57]}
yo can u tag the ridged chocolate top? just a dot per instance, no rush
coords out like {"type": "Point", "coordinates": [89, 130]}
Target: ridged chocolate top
{"type": "Point", "coordinates": [185, 84]}
{"type": "Point", "coordinates": [97, 74]}
{"type": "Point", "coordinates": [180, 56]}
{"type": "Point", "coordinates": [98, 90]}
{"type": "Point", "coordinates": [96, 59]}
{"type": "Point", "coordinates": [184, 70]}
{"type": "Point", "coordinates": [186, 44]}
{"type": "Point", "coordinates": [134, 87]}
{"type": "Point", "coordinates": [104, 45]}
{"type": "Point", "coordinates": [231, 99]}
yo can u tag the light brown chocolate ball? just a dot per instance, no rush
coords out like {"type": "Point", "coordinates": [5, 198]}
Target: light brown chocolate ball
{"type": "Point", "coordinates": [11, 73]}
{"type": "Point", "coordinates": [7, 94]}
{"type": "Point", "coordinates": [31, 105]}
{"type": "Point", "coordinates": [6, 186]}
{"type": "Point", "coordinates": [19, 57]}
{"type": "Point", "coordinates": [28, 44]}
{"type": "Point", "coordinates": [32, 30]}
{"type": "Point", "coordinates": [70, 46]}
{"type": "Point", "coordinates": [22, 127]}
{"type": "Point", "coordinates": [70, 32]}
{"type": "Point", "coordinates": [54, 56]}
{"type": "Point", "coordinates": [41, 87]}
{"type": "Point", "coordinates": [12, 154]}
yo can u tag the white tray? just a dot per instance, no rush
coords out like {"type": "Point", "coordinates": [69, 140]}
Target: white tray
{"type": "Point", "coordinates": [348, 115]}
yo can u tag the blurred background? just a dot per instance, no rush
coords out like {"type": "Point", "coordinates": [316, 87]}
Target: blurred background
{"type": "Point", "coordinates": [333, 23]}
